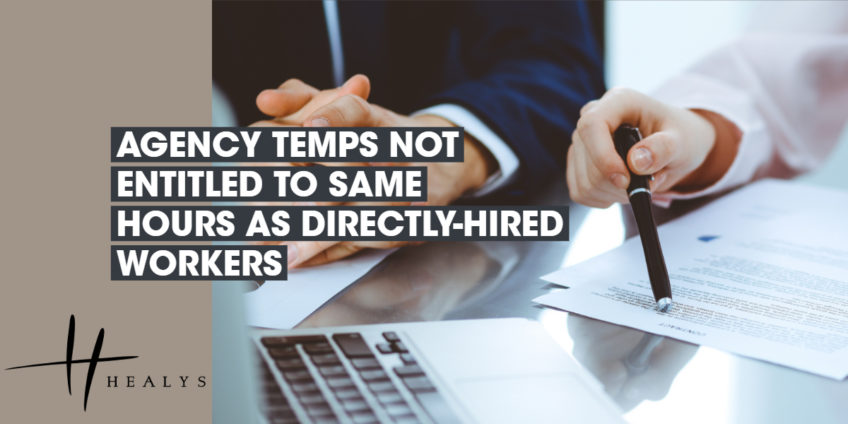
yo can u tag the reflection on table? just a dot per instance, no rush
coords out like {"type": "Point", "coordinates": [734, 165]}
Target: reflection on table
{"type": "Point", "coordinates": [652, 378]}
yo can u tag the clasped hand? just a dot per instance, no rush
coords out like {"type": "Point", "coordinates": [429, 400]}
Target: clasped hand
{"type": "Point", "coordinates": [295, 103]}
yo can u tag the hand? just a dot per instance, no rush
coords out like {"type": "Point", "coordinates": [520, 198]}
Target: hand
{"type": "Point", "coordinates": [296, 103]}
{"type": "Point", "coordinates": [293, 101]}
{"type": "Point", "coordinates": [685, 150]}
{"type": "Point", "coordinates": [633, 366]}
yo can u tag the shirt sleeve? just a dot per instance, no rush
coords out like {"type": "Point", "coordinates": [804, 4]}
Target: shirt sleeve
{"type": "Point", "coordinates": [786, 91]}
{"type": "Point", "coordinates": [503, 154]}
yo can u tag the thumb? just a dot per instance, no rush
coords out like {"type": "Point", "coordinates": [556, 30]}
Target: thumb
{"type": "Point", "coordinates": [653, 153]}
{"type": "Point", "coordinates": [358, 85]}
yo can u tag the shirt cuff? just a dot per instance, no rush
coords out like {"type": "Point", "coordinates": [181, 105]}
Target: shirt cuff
{"type": "Point", "coordinates": [693, 91]}
{"type": "Point", "coordinates": [506, 158]}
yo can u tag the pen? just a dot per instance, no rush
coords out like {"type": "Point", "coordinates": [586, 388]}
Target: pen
{"type": "Point", "coordinates": [640, 199]}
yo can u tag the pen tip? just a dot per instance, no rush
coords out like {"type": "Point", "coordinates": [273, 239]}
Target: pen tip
{"type": "Point", "coordinates": [664, 304]}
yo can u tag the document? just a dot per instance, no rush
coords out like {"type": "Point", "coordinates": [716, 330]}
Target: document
{"type": "Point", "coordinates": [284, 304]}
{"type": "Point", "coordinates": [762, 272]}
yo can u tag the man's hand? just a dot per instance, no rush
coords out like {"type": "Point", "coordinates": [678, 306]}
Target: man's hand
{"type": "Point", "coordinates": [295, 103]}
{"type": "Point", "coordinates": [683, 149]}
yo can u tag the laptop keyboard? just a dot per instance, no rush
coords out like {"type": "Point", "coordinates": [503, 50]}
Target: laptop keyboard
{"type": "Point", "coordinates": [339, 379]}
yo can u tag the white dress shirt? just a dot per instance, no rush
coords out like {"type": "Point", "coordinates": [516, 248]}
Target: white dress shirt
{"type": "Point", "coordinates": [503, 154]}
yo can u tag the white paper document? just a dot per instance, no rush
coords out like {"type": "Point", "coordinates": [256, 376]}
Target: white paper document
{"type": "Point", "coordinates": [762, 272]}
{"type": "Point", "coordinates": [284, 304]}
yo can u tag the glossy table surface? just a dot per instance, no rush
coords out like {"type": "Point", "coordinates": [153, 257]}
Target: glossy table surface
{"type": "Point", "coordinates": [671, 381]}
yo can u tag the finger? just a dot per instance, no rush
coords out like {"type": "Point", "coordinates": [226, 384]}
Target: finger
{"type": "Point", "coordinates": [288, 98]}
{"type": "Point", "coordinates": [589, 185]}
{"type": "Point", "coordinates": [603, 188]}
{"type": "Point", "coordinates": [617, 177]}
{"type": "Point", "coordinates": [599, 190]}
{"type": "Point", "coordinates": [653, 153]}
{"type": "Point", "coordinates": [659, 183]}
{"type": "Point", "coordinates": [594, 133]}
{"type": "Point", "coordinates": [589, 195]}
{"type": "Point", "coordinates": [269, 123]}
{"type": "Point", "coordinates": [570, 177]}
{"type": "Point", "coordinates": [346, 111]}
{"type": "Point", "coordinates": [358, 85]}
{"type": "Point", "coordinates": [616, 107]}
{"type": "Point", "coordinates": [588, 106]}
{"type": "Point", "coordinates": [301, 251]}
{"type": "Point", "coordinates": [623, 105]}
{"type": "Point", "coordinates": [385, 244]}
{"type": "Point", "coordinates": [578, 188]}
{"type": "Point", "coordinates": [334, 253]}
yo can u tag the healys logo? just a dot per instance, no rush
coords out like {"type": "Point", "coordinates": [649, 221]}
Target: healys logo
{"type": "Point", "coordinates": [69, 361]}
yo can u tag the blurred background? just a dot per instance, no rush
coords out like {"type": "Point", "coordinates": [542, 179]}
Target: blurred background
{"type": "Point", "coordinates": [649, 41]}
{"type": "Point", "coordinates": [646, 42]}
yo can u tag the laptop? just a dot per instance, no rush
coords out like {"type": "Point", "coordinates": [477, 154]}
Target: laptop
{"type": "Point", "coordinates": [470, 371]}
{"type": "Point", "coordinates": [505, 370]}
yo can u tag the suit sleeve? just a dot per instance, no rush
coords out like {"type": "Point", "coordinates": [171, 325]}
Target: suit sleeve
{"type": "Point", "coordinates": [528, 70]}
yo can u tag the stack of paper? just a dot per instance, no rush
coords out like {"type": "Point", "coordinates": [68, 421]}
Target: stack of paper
{"type": "Point", "coordinates": [762, 272]}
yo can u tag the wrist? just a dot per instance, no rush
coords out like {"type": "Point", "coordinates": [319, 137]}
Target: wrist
{"type": "Point", "coordinates": [478, 163]}
{"type": "Point", "coordinates": [725, 143]}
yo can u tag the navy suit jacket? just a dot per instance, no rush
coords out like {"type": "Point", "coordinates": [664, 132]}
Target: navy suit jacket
{"type": "Point", "coordinates": [523, 68]}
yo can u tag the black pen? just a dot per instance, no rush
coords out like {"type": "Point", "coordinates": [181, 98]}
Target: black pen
{"type": "Point", "coordinates": [640, 199]}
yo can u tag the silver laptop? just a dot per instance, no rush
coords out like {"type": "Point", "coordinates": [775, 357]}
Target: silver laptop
{"type": "Point", "coordinates": [477, 371]}
{"type": "Point", "coordinates": [471, 371]}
